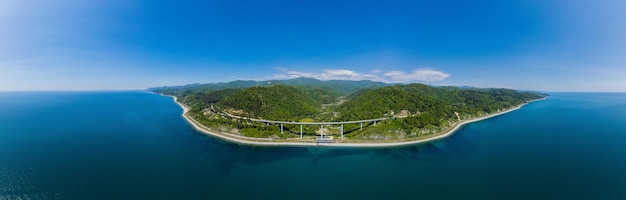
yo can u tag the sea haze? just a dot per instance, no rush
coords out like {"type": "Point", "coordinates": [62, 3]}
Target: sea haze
{"type": "Point", "coordinates": [136, 145]}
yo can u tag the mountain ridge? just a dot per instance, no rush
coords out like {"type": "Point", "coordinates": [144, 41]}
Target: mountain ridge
{"type": "Point", "coordinates": [413, 109]}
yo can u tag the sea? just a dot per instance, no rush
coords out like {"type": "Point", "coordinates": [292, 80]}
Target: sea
{"type": "Point", "coordinates": [136, 145]}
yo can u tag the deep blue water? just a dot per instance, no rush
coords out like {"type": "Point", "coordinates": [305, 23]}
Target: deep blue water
{"type": "Point", "coordinates": [136, 145]}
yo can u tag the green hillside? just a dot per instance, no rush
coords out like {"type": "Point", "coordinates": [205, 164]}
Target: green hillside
{"type": "Point", "coordinates": [277, 102]}
{"type": "Point", "coordinates": [375, 103]}
{"type": "Point", "coordinates": [425, 106]}
{"type": "Point", "coordinates": [441, 102]}
{"type": "Point", "coordinates": [412, 110]}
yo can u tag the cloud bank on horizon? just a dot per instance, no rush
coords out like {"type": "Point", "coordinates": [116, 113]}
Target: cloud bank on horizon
{"type": "Point", "coordinates": [418, 75]}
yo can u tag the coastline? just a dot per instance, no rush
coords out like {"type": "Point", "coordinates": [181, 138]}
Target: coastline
{"type": "Point", "coordinates": [263, 142]}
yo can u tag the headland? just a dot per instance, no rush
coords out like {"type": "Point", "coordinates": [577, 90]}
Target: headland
{"type": "Point", "coordinates": [269, 142]}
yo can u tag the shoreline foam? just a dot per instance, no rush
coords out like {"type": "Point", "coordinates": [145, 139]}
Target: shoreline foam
{"type": "Point", "coordinates": [259, 142]}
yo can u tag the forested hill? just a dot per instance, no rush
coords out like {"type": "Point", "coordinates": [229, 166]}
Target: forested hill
{"type": "Point", "coordinates": [347, 100]}
{"type": "Point", "coordinates": [277, 102]}
{"type": "Point", "coordinates": [434, 103]}
{"type": "Point", "coordinates": [413, 110]}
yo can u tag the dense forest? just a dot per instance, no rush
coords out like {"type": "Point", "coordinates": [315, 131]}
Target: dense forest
{"type": "Point", "coordinates": [414, 110]}
{"type": "Point", "coordinates": [277, 102]}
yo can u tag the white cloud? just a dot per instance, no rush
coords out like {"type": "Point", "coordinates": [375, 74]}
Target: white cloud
{"type": "Point", "coordinates": [341, 74]}
{"type": "Point", "coordinates": [327, 74]}
{"type": "Point", "coordinates": [419, 75]}
{"type": "Point", "coordinates": [394, 73]}
{"type": "Point", "coordinates": [425, 75]}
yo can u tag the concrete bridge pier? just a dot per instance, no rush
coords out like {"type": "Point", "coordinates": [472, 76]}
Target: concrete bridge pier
{"type": "Point", "coordinates": [361, 126]}
{"type": "Point", "coordinates": [281, 128]}
{"type": "Point", "coordinates": [300, 131]}
{"type": "Point", "coordinates": [341, 130]}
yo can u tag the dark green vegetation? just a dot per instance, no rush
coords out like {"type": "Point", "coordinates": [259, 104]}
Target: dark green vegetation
{"type": "Point", "coordinates": [277, 102]}
{"type": "Point", "coordinates": [415, 110]}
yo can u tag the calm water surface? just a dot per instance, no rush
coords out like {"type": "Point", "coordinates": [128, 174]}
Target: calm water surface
{"type": "Point", "coordinates": [136, 145]}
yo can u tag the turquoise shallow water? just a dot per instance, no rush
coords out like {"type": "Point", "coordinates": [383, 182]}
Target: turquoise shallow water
{"type": "Point", "coordinates": [136, 145]}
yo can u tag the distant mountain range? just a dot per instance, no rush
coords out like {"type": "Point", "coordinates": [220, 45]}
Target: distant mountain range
{"type": "Point", "coordinates": [342, 86]}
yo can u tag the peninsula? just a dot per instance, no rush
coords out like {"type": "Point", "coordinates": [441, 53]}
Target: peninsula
{"type": "Point", "coordinates": [310, 112]}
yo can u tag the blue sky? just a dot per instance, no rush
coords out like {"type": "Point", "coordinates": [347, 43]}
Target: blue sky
{"type": "Point", "coordinates": [563, 45]}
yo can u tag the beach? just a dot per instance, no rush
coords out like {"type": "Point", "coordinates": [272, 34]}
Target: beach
{"type": "Point", "coordinates": [267, 142]}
